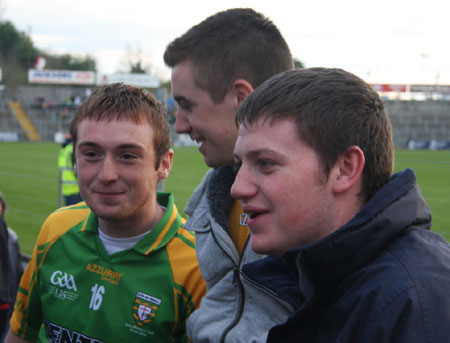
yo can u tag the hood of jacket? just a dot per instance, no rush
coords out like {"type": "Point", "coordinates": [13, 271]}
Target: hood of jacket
{"type": "Point", "coordinates": [216, 186]}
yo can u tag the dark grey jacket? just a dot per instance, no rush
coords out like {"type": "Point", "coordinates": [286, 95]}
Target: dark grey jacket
{"type": "Point", "coordinates": [383, 277]}
{"type": "Point", "coordinates": [10, 273]}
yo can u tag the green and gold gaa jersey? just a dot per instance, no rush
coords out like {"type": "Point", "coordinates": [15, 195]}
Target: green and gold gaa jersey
{"type": "Point", "coordinates": [81, 295]}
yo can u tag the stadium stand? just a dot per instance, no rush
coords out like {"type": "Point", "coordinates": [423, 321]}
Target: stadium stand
{"type": "Point", "coordinates": [419, 120]}
{"type": "Point", "coordinates": [9, 127]}
{"type": "Point", "coordinates": [50, 109]}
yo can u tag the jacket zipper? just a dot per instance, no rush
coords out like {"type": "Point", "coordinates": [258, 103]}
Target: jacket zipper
{"type": "Point", "coordinates": [236, 279]}
{"type": "Point", "coordinates": [286, 304]}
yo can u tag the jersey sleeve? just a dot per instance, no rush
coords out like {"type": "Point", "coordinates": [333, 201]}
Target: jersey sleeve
{"type": "Point", "coordinates": [190, 286]}
{"type": "Point", "coordinates": [26, 319]}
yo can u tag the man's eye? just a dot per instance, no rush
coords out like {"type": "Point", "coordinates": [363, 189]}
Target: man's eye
{"type": "Point", "coordinates": [185, 106]}
{"type": "Point", "coordinates": [90, 154]}
{"type": "Point", "coordinates": [128, 157]}
{"type": "Point", "coordinates": [236, 167]}
{"type": "Point", "coordinates": [264, 164]}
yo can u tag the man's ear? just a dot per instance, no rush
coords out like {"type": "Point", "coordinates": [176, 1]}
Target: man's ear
{"type": "Point", "coordinates": [242, 89]}
{"type": "Point", "coordinates": [347, 171]}
{"type": "Point", "coordinates": [165, 165]}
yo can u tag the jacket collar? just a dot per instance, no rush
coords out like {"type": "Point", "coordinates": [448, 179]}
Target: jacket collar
{"type": "Point", "coordinates": [158, 237]}
{"type": "Point", "coordinates": [395, 207]}
{"type": "Point", "coordinates": [218, 193]}
{"type": "Point", "coordinates": [213, 196]}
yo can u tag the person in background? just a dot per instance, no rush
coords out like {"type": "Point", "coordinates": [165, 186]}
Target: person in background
{"type": "Point", "coordinates": [215, 66]}
{"type": "Point", "coordinates": [5, 270]}
{"type": "Point", "coordinates": [67, 178]}
{"type": "Point", "coordinates": [119, 267]}
{"type": "Point", "coordinates": [351, 245]}
{"type": "Point", "coordinates": [11, 269]}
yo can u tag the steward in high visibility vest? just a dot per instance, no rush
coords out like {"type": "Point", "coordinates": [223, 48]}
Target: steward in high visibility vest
{"type": "Point", "coordinates": [68, 179]}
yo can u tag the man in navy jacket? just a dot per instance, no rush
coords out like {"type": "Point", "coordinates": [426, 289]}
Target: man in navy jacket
{"type": "Point", "coordinates": [350, 243]}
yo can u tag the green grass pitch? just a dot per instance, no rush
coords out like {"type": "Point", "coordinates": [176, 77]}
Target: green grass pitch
{"type": "Point", "coordinates": [29, 182]}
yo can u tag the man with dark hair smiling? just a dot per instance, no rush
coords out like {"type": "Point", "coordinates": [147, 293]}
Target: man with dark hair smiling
{"type": "Point", "coordinates": [216, 64]}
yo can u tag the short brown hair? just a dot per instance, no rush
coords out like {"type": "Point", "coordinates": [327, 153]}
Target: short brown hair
{"type": "Point", "coordinates": [333, 110]}
{"type": "Point", "coordinates": [120, 101]}
{"type": "Point", "coordinates": [229, 45]}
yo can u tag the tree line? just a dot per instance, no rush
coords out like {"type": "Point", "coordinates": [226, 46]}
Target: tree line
{"type": "Point", "coordinates": [18, 54]}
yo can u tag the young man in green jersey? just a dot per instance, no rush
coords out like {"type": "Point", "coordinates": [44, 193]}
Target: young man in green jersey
{"type": "Point", "coordinates": [119, 267]}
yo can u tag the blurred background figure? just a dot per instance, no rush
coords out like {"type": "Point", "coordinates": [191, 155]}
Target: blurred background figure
{"type": "Point", "coordinates": [68, 184]}
{"type": "Point", "coordinates": [11, 269]}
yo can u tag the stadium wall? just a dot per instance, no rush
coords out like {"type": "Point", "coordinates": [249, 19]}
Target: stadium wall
{"type": "Point", "coordinates": [419, 120]}
{"type": "Point", "coordinates": [51, 108]}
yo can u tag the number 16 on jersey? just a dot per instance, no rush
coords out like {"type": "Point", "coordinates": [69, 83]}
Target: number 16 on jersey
{"type": "Point", "coordinates": [97, 297]}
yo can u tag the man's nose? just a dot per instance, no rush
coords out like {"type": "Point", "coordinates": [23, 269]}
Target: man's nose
{"type": "Point", "coordinates": [243, 187]}
{"type": "Point", "coordinates": [182, 124]}
{"type": "Point", "coordinates": [108, 170]}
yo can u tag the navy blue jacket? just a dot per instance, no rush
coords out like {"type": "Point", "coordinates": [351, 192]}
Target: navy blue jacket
{"type": "Point", "coordinates": [383, 277]}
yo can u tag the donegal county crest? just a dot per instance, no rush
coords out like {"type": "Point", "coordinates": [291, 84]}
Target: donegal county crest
{"type": "Point", "coordinates": [145, 308]}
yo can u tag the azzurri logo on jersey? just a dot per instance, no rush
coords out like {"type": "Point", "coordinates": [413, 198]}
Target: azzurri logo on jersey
{"type": "Point", "coordinates": [145, 308]}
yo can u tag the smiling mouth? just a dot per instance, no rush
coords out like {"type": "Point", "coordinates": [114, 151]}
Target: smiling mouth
{"type": "Point", "coordinates": [253, 214]}
{"type": "Point", "coordinates": [108, 194]}
{"type": "Point", "coordinates": [200, 142]}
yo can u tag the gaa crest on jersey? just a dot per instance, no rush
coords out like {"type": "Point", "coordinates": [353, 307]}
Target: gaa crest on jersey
{"type": "Point", "coordinates": [145, 308]}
